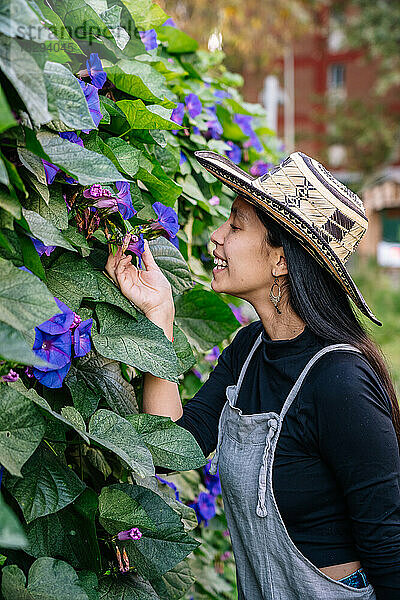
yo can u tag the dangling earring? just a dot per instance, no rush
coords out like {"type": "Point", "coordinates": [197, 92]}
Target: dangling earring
{"type": "Point", "coordinates": [276, 297]}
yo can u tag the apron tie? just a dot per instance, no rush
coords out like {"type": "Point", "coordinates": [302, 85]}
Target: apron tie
{"type": "Point", "coordinates": [231, 393]}
{"type": "Point", "coordinates": [262, 479]}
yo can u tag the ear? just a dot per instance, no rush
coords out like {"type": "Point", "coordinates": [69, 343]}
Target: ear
{"type": "Point", "coordinates": [279, 265]}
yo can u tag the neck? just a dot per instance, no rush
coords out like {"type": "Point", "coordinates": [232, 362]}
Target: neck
{"type": "Point", "coordinates": [284, 326]}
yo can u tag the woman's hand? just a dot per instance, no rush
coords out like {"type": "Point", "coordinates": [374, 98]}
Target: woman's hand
{"type": "Point", "coordinates": [149, 289]}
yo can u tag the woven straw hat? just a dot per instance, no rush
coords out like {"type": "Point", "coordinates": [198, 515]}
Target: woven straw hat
{"type": "Point", "coordinates": [323, 214]}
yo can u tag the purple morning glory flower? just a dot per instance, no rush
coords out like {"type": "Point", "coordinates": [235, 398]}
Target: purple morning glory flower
{"type": "Point", "coordinates": [167, 219]}
{"type": "Point", "coordinates": [25, 269]}
{"type": "Point", "coordinates": [220, 94]}
{"type": "Point", "coordinates": [54, 349]}
{"type": "Point", "coordinates": [169, 484]}
{"type": "Point", "coordinates": [175, 242]}
{"type": "Point", "coordinates": [259, 167]}
{"type": "Point", "coordinates": [60, 323]}
{"type": "Point", "coordinates": [95, 69]}
{"type": "Point", "coordinates": [124, 199]}
{"type": "Point", "coordinates": [197, 373]}
{"type": "Point", "coordinates": [50, 171]}
{"type": "Point", "coordinates": [238, 314]}
{"type": "Point", "coordinates": [51, 378]}
{"type": "Point", "coordinates": [193, 105]}
{"type": "Point", "coordinates": [41, 248]}
{"type": "Point", "coordinates": [214, 200]}
{"type": "Point", "coordinates": [71, 137]}
{"type": "Point", "coordinates": [81, 338]}
{"type": "Point", "coordinates": [245, 124]}
{"type": "Point", "coordinates": [196, 130]}
{"type": "Point", "coordinates": [149, 39]}
{"type": "Point", "coordinates": [213, 355]}
{"type": "Point", "coordinates": [136, 245]}
{"type": "Point", "coordinates": [204, 507]}
{"type": "Point", "coordinates": [212, 482]}
{"type": "Point", "coordinates": [170, 22]}
{"type": "Point", "coordinates": [215, 129]}
{"type": "Point", "coordinates": [11, 377]}
{"type": "Point", "coordinates": [102, 198]}
{"type": "Point", "coordinates": [183, 158]}
{"type": "Point", "coordinates": [235, 154]}
{"type": "Point", "coordinates": [92, 98]}
{"type": "Point", "coordinates": [177, 115]}
{"type": "Point", "coordinates": [130, 534]}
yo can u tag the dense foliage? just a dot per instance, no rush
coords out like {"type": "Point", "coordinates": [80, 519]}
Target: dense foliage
{"type": "Point", "coordinates": [102, 105]}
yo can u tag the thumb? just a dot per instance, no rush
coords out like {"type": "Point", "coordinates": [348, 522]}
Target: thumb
{"type": "Point", "coordinates": [148, 259]}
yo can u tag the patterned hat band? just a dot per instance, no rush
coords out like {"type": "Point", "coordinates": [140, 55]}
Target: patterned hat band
{"type": "Point", "coordinates": [323, 214]}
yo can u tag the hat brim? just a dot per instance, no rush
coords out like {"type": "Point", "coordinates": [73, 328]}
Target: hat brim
{"type": "Point", "coordinates": [243, 183]}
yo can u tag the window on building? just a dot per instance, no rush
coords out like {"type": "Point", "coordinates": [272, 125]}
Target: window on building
{"type": "Point", "coordinates": [336, 76]}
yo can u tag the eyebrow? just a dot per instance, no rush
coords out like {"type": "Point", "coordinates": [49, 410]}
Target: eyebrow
{"type": "Point", "coordinates": [239, 213]}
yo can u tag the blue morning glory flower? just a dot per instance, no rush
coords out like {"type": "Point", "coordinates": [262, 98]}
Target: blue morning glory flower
{"type": "Point", "coordinates": [54, 349]}
{"type": "Point", "coordinates": [50, 171]}
{"type": "Point", "coordinates": [196, 130]}
{"type": "Point", "coordinates": [51, 378]}
{"type": "Point", "coordinates": [213, 355]}
{"type": "Point", "coordinates": [92, 98]}
{"type": "Point", "coordinates": [136, 245]}
{"type": "Point", "coordinates": [124, 199]}
{"type": "Point", "coordinates": [177, 114]}
{"type": "Point", "coordinates": [182, 159]}
{"type": "Point", "coordinates": [169, 22]}
{"type": "Point", "coordinates": [41, 248]}
{"type": "Point", "coordinates": [167, 219]}
{"type": "Point", "coordinates": [82, 344]}
{"type": "Point", "coordinates": [215, 129]}
{"type": "Point", "coordinates": [235, 154]}
{"type": "Point", "coordinates": [149, 39]}
{"type": "Point", "coordinates": [193, 105]}
{"type": "Point", "coordinates": [60, 323]}
{"type": "Point", "coordinates": [212, 482]}
{"type": "Point", "coordinates": [245, 124]}
{"type": "Point", "coordinates": [169, 484]}
{"type": "Point", "coordinates": [259, 167]}
{"type": "Point", "coordinates": [204, 507]}
{"type": "Point", "coordinates": [220, 94]}
{"type": "Point", "coordinates": [95, 69]}
{"type": "Point", "coordinates": [71, 137]}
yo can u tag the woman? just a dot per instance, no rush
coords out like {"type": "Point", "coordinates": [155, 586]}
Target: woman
{"type": "Point", "coordinates": [300, 407]}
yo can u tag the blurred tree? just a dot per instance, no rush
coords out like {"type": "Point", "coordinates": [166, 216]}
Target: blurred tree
{"type": "Point", "coordinates": [252, 34]}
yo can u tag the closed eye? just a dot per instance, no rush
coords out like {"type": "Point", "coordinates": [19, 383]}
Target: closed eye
{"type": "Point", "coordinates": [233, 227]}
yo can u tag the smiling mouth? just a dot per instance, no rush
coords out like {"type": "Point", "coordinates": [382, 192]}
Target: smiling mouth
{"type": "Point", "coordinates": [220, 264]}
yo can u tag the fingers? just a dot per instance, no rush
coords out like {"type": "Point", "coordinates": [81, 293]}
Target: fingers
{"type": "Point", "coordinates": [148, 259]}
{"type": "Point", "coordinates": [112, 263]}
{"type": "Point", "coordinates": [122, 266]}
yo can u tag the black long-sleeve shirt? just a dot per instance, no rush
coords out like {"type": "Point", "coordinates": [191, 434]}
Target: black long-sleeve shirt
{"type": "Point", "coordinates": [337, 464]}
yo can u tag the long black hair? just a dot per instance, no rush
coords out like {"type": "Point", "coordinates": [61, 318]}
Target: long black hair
{"type": "Point", "coordinates": [321, 302]}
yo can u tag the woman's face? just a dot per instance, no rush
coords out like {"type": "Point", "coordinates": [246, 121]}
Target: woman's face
{"type": "Point", "coordinates": [240, 241]}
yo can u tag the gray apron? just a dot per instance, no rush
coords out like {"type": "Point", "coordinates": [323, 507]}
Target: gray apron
{"type": "Point", "coordinates": [268, 564]}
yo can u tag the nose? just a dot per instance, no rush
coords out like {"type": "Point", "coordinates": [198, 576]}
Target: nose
{"type": "Point", "coordinates": [218, 236]}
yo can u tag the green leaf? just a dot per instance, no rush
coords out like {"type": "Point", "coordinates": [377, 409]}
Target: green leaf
{"type": "Point", "coordinates": [27, 78]}
{"type": "Point", "coordinates": [90, 584]}
{"type": "Point", "coordinates": [72, 278]}
{"type": "Point", "coordinates": [183, 351]}
{"type": "Point", "coordinates": [48, 579]}
{"type": "Point", "coordinates": [119, 512]}
{"type": "Point", "coordinates": [170, 445]}
{"type": "Point", "coordinates": [172, 264]}
{"type": "Point", "coordinates": [86, 166]}
{"type": "Point", "coordinates": [21, 429]}
{"type": "Point", "coordinates": [55, 211]}
{"type": "Point", "coordinates": [151, 116]}
{"type": "Point", "coordinates": [46, 485]}
{"type": "Point", "coordinates": [11, 531]}
{"type": "Point", "coordinates": [139, 80]}
{"type": "Point", "coordinates": [13, 347]}
{"type": "Point", "coordinates": [30, 256]}
{"type": "Point", "coordinates": [73, 416]}
{"type": "Point", "coordinates": [145, 13]}
{"type": "Point", "coordinates": [46, 408]}
{"type": "Point", "coordinates": [126, 587]}
{"type": "Point", "coordinates": [45, 231]}
{"type": "Point", "coordinates": [17, 19]}
{"type": "Point", "coordinates": [127, 155]}
{"type": "Point", "coordinates": [178, 41]}
{"type": "Point", "coordinates": [204, 318]}
{"type": "Point", "coordinates": [159, 551]}
{"type": "Point", "coordinates": [161, 186]}
{"type": "Point", "coordinates": [34, 164]}
{"type": "Point", "coordinates": [66, 98]}
{"type": "Point", "coordinates": [138, 343]}
{"type": "Point", "coordinates": [69, 533]}
{"type": "Point", "coordinates": [24, 300]}
{"type": "Point", "coordinates": [174, 583]}
{"type": "Point", "coordinates": [93, 377]}
{"type": "Point", "coordinates": [116, 434]}
{"type": "Point", "coordinates": [9, 202]}
{"type": "Point", "coordinates": [6, 117]}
